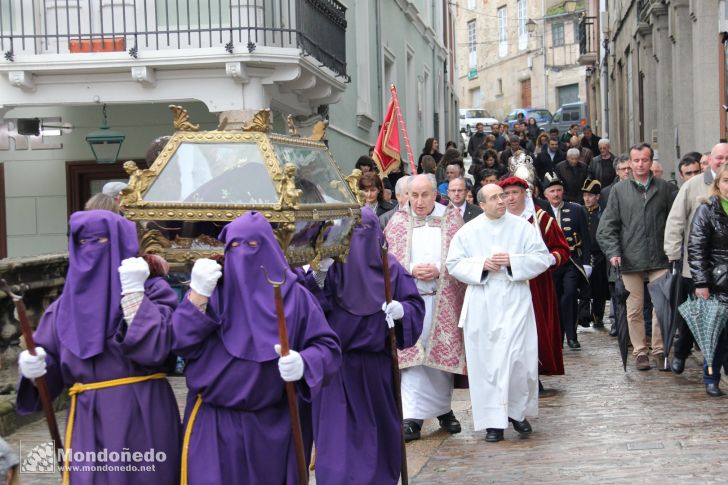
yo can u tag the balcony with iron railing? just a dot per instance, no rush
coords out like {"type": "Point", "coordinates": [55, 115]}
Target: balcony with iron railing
{"type": "Point", "coordinates": [41, 37]}
{"type": "Point", "coordinates": [588, 41]}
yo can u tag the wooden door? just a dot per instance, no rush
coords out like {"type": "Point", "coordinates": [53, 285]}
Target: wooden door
{"type": "Point", "coordinates": [526, 93]}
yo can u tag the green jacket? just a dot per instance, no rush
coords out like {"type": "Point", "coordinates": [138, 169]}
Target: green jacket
{"type": "Point", "coordinates": [633, 224]}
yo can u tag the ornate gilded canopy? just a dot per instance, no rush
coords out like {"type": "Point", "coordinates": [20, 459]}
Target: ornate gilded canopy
{"type": "Point", "coordinates": [202, 180]}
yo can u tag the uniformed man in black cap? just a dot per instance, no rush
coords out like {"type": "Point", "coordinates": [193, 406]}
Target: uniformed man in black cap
{"type": "Point", "coordinates": [598, 280]}
{"type": "Point", "coordinates": [572, 277]}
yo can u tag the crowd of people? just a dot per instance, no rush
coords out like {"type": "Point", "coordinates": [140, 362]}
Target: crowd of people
{"type": "Point", "coordinates": [491, 271]}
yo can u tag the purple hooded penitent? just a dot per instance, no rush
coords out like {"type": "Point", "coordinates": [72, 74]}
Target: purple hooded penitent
{"type": "Point", "coordinates": [362, 275]}
{"type": "Point", "coordinates": [89, 308]}
{"type": "Point", "coordinates": [249, 325]}
{"type": "Point", "coordinates": [242, 430]}
{"type": "Point", "coordinates": [356, 423]}
{"type": "Point", "coordinates": [87, 340]}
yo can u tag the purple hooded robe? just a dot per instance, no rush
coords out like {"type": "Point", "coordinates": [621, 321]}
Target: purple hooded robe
{"type": "Point", "coordinates": [356, 422]}
{"type": "Point", "coordinates": [242, 430]}
{"type": "Point", "coordinates": [87, 340]}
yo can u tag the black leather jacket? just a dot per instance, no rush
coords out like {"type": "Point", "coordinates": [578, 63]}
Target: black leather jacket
{"type": "Point", "coordinates": [708, 249]}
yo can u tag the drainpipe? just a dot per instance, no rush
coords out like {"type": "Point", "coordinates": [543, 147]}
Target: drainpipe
{"type": "Point", "coordinates": [543, 49]}
{"type": "Point", "coordinates": [378, 17]}
{"type": "Point", "coordinates": [604, 71]}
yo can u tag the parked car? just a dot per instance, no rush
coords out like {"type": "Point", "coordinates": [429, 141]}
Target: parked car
{"type": "Point", "coordinates": [542, 115]}
{"type": "Point", "coordinates": [469, 117]}
{"type": "Point", "coordinates": [570, 113]}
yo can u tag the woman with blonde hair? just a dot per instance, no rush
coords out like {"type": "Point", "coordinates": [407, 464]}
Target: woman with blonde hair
{"type": "Point", "coordinates": [542, 142]}
{"type": "Point", "coordinates": [708, 261]}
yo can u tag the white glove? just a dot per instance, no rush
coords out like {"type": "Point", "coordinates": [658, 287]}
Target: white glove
{"type": "Point", "coordinates": [393, 311]}
{"type": "Point", "coordinates": [133, 272]}
{"type": "Point", "coordinates": [32, 366]}
{"type": "Point", "coordinates": [205, 274]}
{"type": "Point", "coordinates": [325, 264]}
{"type": "Point", "coordinates": [587, 270]}
{"type": "Point", "coordinates": [291, 366]}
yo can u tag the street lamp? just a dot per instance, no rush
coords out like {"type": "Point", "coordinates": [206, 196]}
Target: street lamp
{"type": "Point", "coordinates": [531, 26]}
{"type": "Point", "coordinates": [105, 143]}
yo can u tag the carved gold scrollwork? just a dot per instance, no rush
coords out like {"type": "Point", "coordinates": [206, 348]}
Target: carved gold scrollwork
{"type": "Point", "coordinates": [153, 242]}
{"type": "Point", "coordinates": [182, 119]}
{"type": "Point", "coordinates": [318, 246]}
{"type": "Point", "coordinates": [284, 234]}
{"type": "Point", "coordinates": [139, 181]}
{"type": "Point", "coordinates": [259, 123]}
{"type": "Point", "coordinates": [319, 130]}
{"type": "Point", "coordinates": [286, 187]}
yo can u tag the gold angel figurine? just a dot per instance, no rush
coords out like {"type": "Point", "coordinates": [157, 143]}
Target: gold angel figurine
{"type": "Point", "coordinates": [353, 181]}
{"type": "Point", "coordinates": [286, 186]}
{"type": "Point", "coordinates": [139, 181]}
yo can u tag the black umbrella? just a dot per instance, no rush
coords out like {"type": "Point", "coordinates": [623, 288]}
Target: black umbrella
{"type": "Point", "coordinates": [662, 294]}
{"type": "Point", "coordinates": [620, 316]}
{"type": "Point", "coordinates": [584, 314]}
{"type": "Point", "coordinates": [677, 298]}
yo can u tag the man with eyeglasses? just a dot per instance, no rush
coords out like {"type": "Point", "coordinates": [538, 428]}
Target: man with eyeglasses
{"type": "Point", "coordinates": [621, 168]}
{"type": "Point", "coordinates": [419, 237]}
{"type": "Point", "coordinates": [456, 192]}
{"type": "Point", "coordinates": [495, 255]}
{"type": "Point", "coordinates": [677, 232]}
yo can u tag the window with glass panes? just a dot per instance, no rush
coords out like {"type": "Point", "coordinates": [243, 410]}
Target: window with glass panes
{"type": "Point", "coordinates": [557, 34]}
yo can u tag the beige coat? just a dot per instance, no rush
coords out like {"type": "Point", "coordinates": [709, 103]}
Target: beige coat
{"type": "Point", "coordinates": [677, 229]}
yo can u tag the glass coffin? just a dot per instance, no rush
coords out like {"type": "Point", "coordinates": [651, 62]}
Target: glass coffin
{"type": "Point", "coordinates": [202, 180]}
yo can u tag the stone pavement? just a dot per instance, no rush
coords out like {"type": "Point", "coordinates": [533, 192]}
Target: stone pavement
{"type": "Point", "coordinates": [604, 426]}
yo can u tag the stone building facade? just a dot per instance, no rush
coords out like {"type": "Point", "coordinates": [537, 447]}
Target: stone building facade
{"type": "Point", "coordinates": [665, 73]}
{"type": "Point", "coordinates": [299, 57]}
{"type": "Point", "coordinates": [503, 65]}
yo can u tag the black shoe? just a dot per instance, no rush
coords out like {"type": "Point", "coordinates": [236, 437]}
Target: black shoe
{"type": "Point", "coordinates": [547, 392]}
{"type": "Point", "coordinates": [598, 324]}
{"type": "Point", "coordinates": [613, 330]}
{"type": "Point", "coordinates": [411, 430]}
{"type": "Point", "coordinates": [677, 365]}
{"type": "Point", "coordinates": [494, 435]}
{"type": "Point", "coordinates": [573, 344]}
{"type": "Point", "coordinates": [522, 427]}
{"type": "Point", "coordinates": [713, 390]}
{"type": "Point", "coordinates": [449, 422]}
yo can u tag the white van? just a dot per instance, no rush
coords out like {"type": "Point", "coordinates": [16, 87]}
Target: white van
{"type": "Point", "coordinates": [469, 117]}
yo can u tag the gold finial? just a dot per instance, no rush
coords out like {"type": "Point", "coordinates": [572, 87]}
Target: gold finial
{"type": "Point", "coordinates": [259, 123]}
{"type": "Point", "coordinates": [182, 119]}
{"type": "Point", "coordinates": [292, 130]}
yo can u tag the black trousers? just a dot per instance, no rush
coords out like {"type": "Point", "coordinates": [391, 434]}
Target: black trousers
{"type": "Point", "coordinates": [566, 280]}
{"type": "Point", "coordinates": [684, 340]}
{"type": "Point", "coordinates": [600, 289]}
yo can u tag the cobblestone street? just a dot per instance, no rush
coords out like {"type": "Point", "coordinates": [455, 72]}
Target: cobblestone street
{"type": "Point", "coordinates": [604, 426]}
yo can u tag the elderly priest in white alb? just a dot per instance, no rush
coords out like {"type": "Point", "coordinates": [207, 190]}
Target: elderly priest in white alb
{"type": "Point", "coordinates": [495, 255]}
